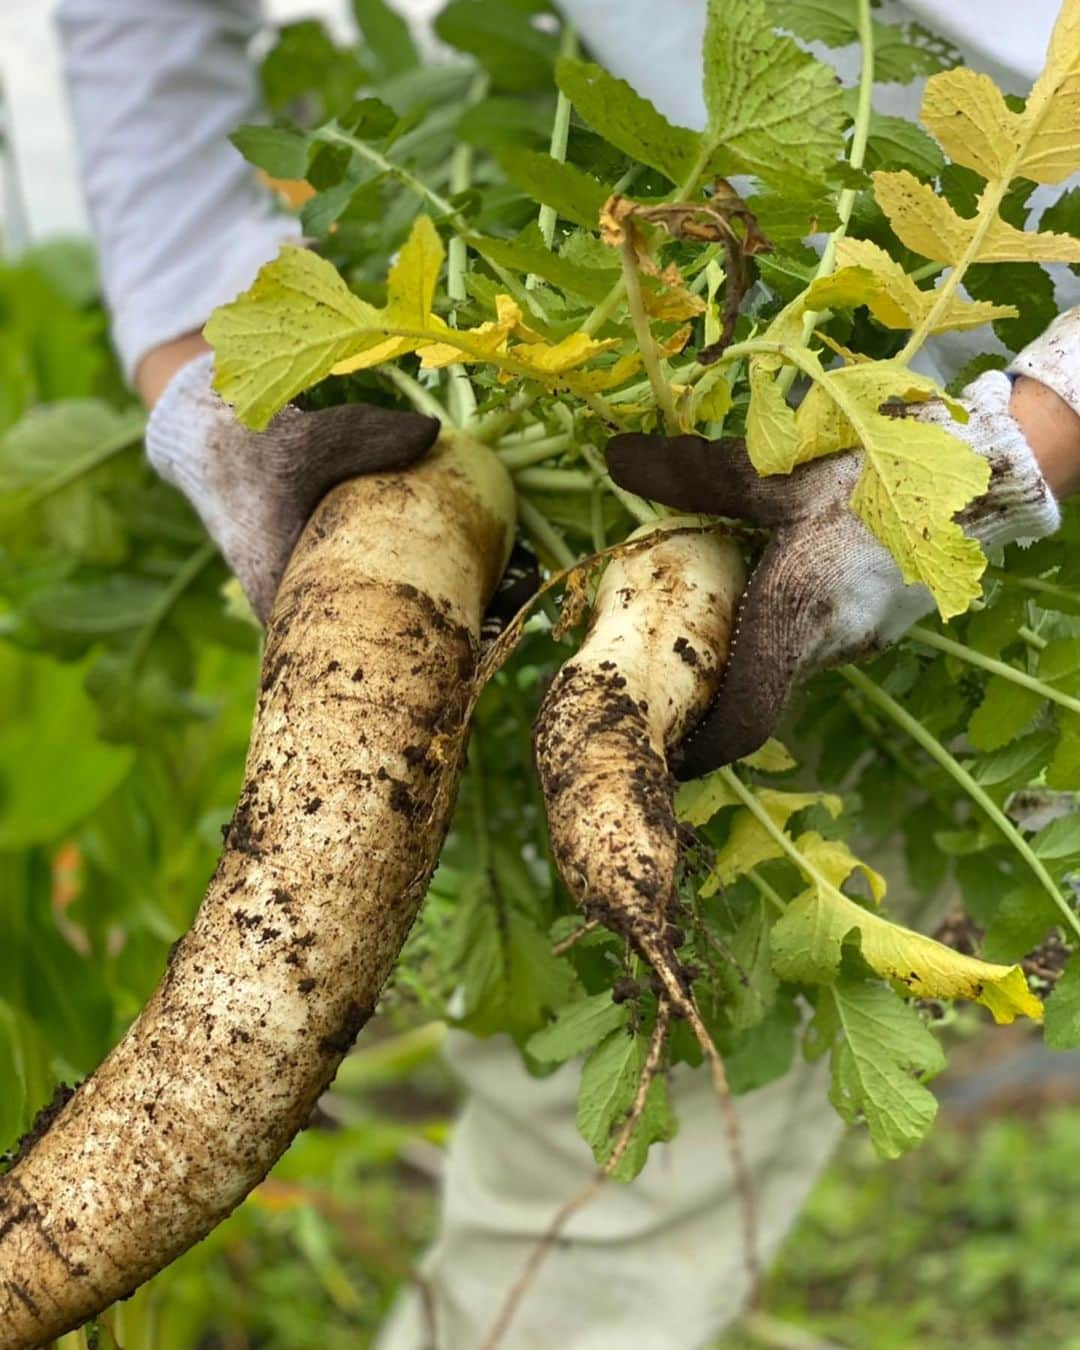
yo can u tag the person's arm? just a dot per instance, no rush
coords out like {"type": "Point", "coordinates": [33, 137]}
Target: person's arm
{"type": "Point", "coordinates": [181, 223]}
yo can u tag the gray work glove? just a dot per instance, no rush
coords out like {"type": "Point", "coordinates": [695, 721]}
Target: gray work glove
{"type": "Point", "coordinates": [825, 591]}
{"type": "Point", "coordinates": [254, 491]}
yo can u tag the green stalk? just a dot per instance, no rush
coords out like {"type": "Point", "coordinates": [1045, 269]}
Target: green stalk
{"type": "Point", "coordinates": [845, 202]}
{"type": "Point", "coordinates": [201, 558]}
{"type": "Point", "coordinates": [928, 638]}
{"type": "Point", "coordinates": [421, 399]}
{"type": "Point", "coordinates": [84, 465]}
{"type": "Point", "coordinates": [545, 534]}
{"type": "Point", "coordinates": [776, 834]}
{"type": "Point", "coordinates": [553, 480]}
{"type": "Point", "coordinates": [522, 456]}
{"type": "Point", "coordinates": [933, 747]}
{"type": "Point", "coordinates": [650, 353]}
{"type": "Point", "coordinates": [462, 395]}
{"type": "Point", "coordinates": [1034, 584]}
{"type": "Point", "coordinates": [596, 519]}
{"type": "Point", "coordinates": [766, 891]}
{"type": "Point", "coordinates": [560, 132]}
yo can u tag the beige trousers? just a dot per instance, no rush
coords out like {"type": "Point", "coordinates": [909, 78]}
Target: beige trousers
{"type": "Point", "coordinates": [654, 1265]}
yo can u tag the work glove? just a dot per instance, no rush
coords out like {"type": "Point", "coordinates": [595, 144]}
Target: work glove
{"type": "Point", "coordinates": [825, 591]}
{"type": "Point", "coordinates": [254, 490]}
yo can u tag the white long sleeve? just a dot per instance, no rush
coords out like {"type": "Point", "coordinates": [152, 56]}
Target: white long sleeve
{"type": "Point", "coordinates": [181, 223]}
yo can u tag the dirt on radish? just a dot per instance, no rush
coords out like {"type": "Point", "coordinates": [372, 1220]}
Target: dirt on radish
{"type": "Point", "coordinates": [649, 666]}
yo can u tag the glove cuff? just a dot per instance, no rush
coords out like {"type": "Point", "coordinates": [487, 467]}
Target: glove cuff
{"type": "Point", "coordinates": [182, 423]}
{"type": "Point", "coordinates": [1018, 506]}
{"type": "Point", "coordinates": [1054, 358]}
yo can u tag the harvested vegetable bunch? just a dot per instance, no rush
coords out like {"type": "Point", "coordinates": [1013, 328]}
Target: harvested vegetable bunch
{"type": "Point", "coordinates": [532, 340]}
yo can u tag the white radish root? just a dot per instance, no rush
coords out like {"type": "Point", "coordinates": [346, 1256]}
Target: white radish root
{"type": "Point", "coordinates": [350, 778]}
{"type": "Point", "coordinates": [650, 665]}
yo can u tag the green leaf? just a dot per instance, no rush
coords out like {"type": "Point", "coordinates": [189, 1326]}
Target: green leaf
{"type": "Point", "coordinates": [528, 253]}
{"type": "Point", "coordinates": [612, 108]}
{"type": "Point", "coordinates": [503, 38]}
{"type": "Point", "coordinates": [278, 151]}
{"type": "Point", "coordinates": [12, 1076]}
{"type": "Point", "coordinates": [778, 111]}
{"type": "Point", "coordinates": [116, 605]}
{"type": "Point", "coordinates": [883, 1051]}
{"type": "Point", "coordinates": [495, 122]}
{"type": "Point", "coordinates": [609, 1084]}
{"type": "Point", "coordinates": [509, 980]}
{"type": "Point", "coordinates": [305, 62]}
{"type": "Point", "coordinates": [749, 979]}
{"type": "Point", "coordinates": [1064, 770]}
{"type": "Point", "coordinates": [896, 143]}
{"type": "Point", "coordinates": [1006, 711]}
{"type": "Point", "coordinates": [1005, 284]}
{"type": "Point", "coordinates": [1058, 844]}
{"type": "Point", "coordinates": [577, 1028]}
{"type": "Point", "coordinates": [386, 36]}
{"type": "Point", "coordinates": [51, 466]}
{"type": "Point", "coordinates": [1020, 922]}
{"type": "Point", "coordinates": [571, 192]}
{"type": "Point", "coordinates": [1063, 1009]}
{"type": "Point", "coordinates": [763, 1053]}
{"type": "Point", "coordinates": [1062, 216]}
{"type": "Point", "coordinates": [53, 768]}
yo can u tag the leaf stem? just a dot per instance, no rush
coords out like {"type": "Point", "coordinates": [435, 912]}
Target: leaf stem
{"type": "Point", "coordinates": [532, 452]}
{"type": "Point", "coordinates": [650, 353]}
{"type": "Point", "coordinates": [560, 132]}
{"type": "Point", "coordinates": [554, 480]}
{"type": "Point", "coordinates": [1035, 584]}
{"type": "Point", "coordinates": [845, 201]}
{"type": "Point", "coordinates": [776, 834]}
{"type": "Point", "coordinates": [545, 534]}
{"type": "Point", "coordinates": [462, 395]}
{"type": "Point", "coordinates": [933, 747]}
{"type": "Point", "coordinates": [940, 643]}
{"type": "Point", "coordinates": [414, 391]}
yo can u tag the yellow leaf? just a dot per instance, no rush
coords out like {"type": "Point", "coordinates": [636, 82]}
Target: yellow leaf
{"type": "Point", "coordinates": [1005, 243]}
{"type": "Point", "coordinates": [285, 333]}
{"type": "Point", "coordinates": [914, 480]}
{"type": "Point", "coordinates": [696, 803]}
{"type": "Point", "coordinates": [713, 403]}
{"type": "Point", "coordinates": [968, 115]}
{"type": "Point", "coordinates": [836, 862]}
{"type": "Point", "coordinates": [920, 218]}
{"type": "Point", "coordinates": [544, 360]}
{"type": "Point", "coordinates": [1053, 106]}
{"type": "Point", "coordinates": [772, 440]}
{"type": "Point", "coordinates": [927, 223]}
{"type": "Point", "coordinates": [773, 757]}
{"type": "Point", "coordinates": [410, 291]}
{"type": "Point", "coordinates": [879, 282]}
{"type": "Point", "coordinates": [749, 843]}
{"type": "Point", "coordinates": [597, 381]}
{"type": "Point", "coordinates": [808, 940]}
{"type": "Point", "coordinates": [673, 303]}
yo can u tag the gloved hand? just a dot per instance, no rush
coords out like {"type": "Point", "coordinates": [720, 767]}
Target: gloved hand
{"type": "Point", "coordinates": [254, 491]}
{"type": "Point", "coordinates": [825, 592]}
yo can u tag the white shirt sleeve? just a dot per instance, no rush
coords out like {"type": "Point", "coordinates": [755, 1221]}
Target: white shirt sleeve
{"type": "Point", "coordinates": [182, 223]}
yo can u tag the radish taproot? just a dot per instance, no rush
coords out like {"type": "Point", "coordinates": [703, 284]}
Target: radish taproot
{"type": "Point", "coordinates": [367, 681]}
{"type": "Point", "coordinates": [649, 666]}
